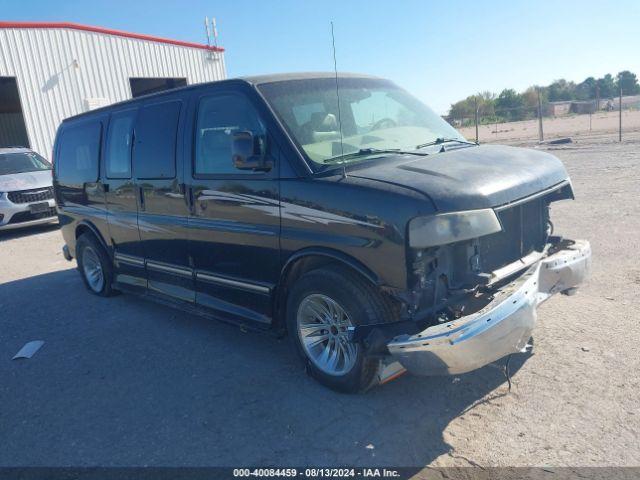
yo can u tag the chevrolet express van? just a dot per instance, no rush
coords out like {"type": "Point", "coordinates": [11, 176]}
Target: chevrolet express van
{"type": "Point", "coordinates": [340, 211]}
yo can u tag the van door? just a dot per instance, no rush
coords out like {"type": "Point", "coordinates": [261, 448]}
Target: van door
{"type": "Point", "coordinates": [162, 210]}
{"type": "Point", "coordinates": [122, 201]}
{"type": "Point", "coordinates": [234, 228]}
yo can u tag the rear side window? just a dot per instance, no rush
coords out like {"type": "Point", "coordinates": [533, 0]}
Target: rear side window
{"type": "Point", "coordinates": [155, 143]}
{"type": "Point", "coordinates": [77, 161]}
{"type": "Point", "coordinates": [118, 154]}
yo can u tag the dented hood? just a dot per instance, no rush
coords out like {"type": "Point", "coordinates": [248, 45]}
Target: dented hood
{"type": "Point", "coordinates": [471, 177]}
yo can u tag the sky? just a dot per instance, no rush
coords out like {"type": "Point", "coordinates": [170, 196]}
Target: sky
{"type": "Point", "coordinates": [441, 51]}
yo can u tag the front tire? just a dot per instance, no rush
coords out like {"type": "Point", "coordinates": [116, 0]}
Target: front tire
{"type": "Point", "coordinates": [320, 307]}
{"type": "Point", "coordinates": [94, 265]}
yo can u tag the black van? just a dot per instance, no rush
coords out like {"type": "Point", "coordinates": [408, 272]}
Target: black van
{"type": "Point", "coordinates": [340, 210]}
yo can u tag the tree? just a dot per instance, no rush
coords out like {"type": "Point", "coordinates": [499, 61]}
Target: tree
{"type": "Point", "coordinates": [628, 82]}
{"type": "Point", "coordinates": [561, 90]}
{"type": "Point", "coordinates": [465, 109]}
{"type": "Point", "coordinates": [509, 104]}
{"type": "Point", "coordinates": [606, 86]}
{"type": "Point", "coordinates": [486, 103]}
{"type": "Point", "coordinates": [530, 98]}
{"type": "Point", "coordinates": [586, 90]}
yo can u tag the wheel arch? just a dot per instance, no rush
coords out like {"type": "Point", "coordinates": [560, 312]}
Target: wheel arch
{"type": "Point", "coordinates": [87, 227]}
{"type": "Point", "coordinates": [309, 259]}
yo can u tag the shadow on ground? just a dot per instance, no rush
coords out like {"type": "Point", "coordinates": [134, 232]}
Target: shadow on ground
{"type": "Point", "coordinates": [26, 231]}
{"type": "Point", "coordinates": [123, 381]}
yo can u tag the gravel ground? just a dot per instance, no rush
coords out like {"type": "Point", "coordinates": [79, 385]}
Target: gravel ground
{"type": "Point", "coordinates": [123, 381]}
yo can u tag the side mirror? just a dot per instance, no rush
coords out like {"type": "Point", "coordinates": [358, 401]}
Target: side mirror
{"type": "Point", "coordinates": [248, 152]}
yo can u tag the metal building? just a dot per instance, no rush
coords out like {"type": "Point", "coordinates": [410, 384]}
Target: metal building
{"type": "Point", "coordinates": [50, 71]}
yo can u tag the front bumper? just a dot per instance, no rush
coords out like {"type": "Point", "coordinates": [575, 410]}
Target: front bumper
{"type": "Point", "coordinates": [17, 215]}
{"type": "Point", "coordinates": [502, 327]}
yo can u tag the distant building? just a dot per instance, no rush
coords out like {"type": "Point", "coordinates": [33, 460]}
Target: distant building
{"type": "Point", "coordinates": [50, 71]}
{"type": "Point", "coordinates": [587, 106]}
{"type": "Point", "coordinates": [628, 101]}
{"type": "Point", "coordinates": [556, 109]}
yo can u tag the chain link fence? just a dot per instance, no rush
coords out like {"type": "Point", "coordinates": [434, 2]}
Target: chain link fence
{"type": "Point", "coordinates": [551, 120]}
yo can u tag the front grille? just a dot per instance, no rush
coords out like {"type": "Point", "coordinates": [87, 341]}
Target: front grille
{"type": "Point", "coordinates": [30, 196]}
{"type": "Point", "coordinates": [21, 217]}
{"type": "Point", "coordinates": [524, 229]}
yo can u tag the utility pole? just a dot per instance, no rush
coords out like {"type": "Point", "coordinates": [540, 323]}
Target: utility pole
{"type": "Point", "coordinates": [620, 115]}
{"type": "Point", "coordinates": [476, 105]}
{"type": "Point", "coordinates": [540, 132]}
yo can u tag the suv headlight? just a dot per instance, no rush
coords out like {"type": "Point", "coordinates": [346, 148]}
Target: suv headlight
{"type": "Point", "coordinates": [453, 227]}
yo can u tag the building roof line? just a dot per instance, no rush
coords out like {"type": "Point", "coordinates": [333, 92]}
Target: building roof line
{"type": "Point", "coordinates": [108, 31]}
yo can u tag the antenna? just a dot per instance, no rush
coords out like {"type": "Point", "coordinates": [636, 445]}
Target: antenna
{"type": "Point", "coordinates": [206, 29]}
{"type": "Point", "coordinates": [215, 31]}
{"type": "Point", "coordinates": [335, 69]}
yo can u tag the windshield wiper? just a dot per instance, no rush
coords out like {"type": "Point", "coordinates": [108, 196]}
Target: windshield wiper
{"type": "Point", "coordinates": [369, 151]}
{"type": "Point", "coordinates": [441, 140]}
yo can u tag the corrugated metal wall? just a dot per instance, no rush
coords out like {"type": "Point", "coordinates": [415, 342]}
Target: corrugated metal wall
{"type": "Point", "coordinates": [58, 70]}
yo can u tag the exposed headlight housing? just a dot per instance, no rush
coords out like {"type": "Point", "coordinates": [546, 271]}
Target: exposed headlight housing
{"type": "Point", "coordinates": [453, 227]}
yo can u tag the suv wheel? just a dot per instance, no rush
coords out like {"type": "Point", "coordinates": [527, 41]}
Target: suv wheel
{"type": "Point", "coordinates": [320, 307]}
{"type": "Point", "coordinates": [94, 265]}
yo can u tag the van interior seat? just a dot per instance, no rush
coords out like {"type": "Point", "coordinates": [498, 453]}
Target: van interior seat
{"type": "Point", "coordinates": [320, 127]}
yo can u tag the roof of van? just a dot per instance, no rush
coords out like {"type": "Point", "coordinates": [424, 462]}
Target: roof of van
{"type": "Point", "coordinates": [253, 80]}
{"type": "Point", "coordinates": [283, 77]}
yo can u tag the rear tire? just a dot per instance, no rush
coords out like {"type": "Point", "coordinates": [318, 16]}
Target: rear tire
{"type": "Point", "coordinates": [94, 265]}
{"type": "Point", "coordinates": [320, 306]}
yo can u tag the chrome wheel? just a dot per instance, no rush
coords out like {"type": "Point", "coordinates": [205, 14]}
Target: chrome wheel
{"type": "Point", "coordinates": [92, 269]}
{"type": "Point", "coordinates": [323, 331]}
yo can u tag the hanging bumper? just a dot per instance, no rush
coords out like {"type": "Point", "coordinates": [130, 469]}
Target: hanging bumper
{"type": "Point", "coordinates": [502, 327]}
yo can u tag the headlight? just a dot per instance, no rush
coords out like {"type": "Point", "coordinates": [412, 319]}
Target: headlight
{"type": "Point", "coordinates": [452, 227]}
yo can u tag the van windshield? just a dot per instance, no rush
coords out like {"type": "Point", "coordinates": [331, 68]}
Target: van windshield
{"type": "Point", "coordinates": [375, 115]}
{"type": "Point", "coordinates": [21, 162]}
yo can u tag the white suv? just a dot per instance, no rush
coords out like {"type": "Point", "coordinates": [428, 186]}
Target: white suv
{"type": "Point", "coordinates": [26, 193]}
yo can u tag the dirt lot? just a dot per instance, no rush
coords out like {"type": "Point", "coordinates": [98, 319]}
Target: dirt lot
{"type": "Point", "coordinates": [570, 126]}
{"type": "Point", "coordinates": [125, 382]}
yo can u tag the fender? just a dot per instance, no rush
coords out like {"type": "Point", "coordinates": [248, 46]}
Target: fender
{"type": "Point", "coordinates": [93, 229]}
{"type": "Point", "coordinates": [327, 253]}
{"type": "Point", "coordinates": [332, 254]}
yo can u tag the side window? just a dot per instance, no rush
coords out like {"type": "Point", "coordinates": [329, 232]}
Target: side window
{"type": "Point", "coordinates": [155, 144]}
{"type": "Point", "coordinates": [118, 154]}
{"type": "Point", "coordinates": [218, 118]}
{"type": "Point", "coordinates": [77, 161]}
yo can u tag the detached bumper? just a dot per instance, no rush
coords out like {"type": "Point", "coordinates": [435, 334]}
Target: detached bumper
{"type": "Point", "coordinates": [502, 327]}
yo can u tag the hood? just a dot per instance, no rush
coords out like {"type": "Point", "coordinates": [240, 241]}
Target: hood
{"type": "Point", "coordinates": [472, 177]}
{"type": "Point", "coordinates": [25, 181]}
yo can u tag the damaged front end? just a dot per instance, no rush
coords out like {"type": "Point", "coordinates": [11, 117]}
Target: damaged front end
{"type": "Point", "coordinates": [474, 301]}
{"type": "Point", "coordinates": [502, 326]}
